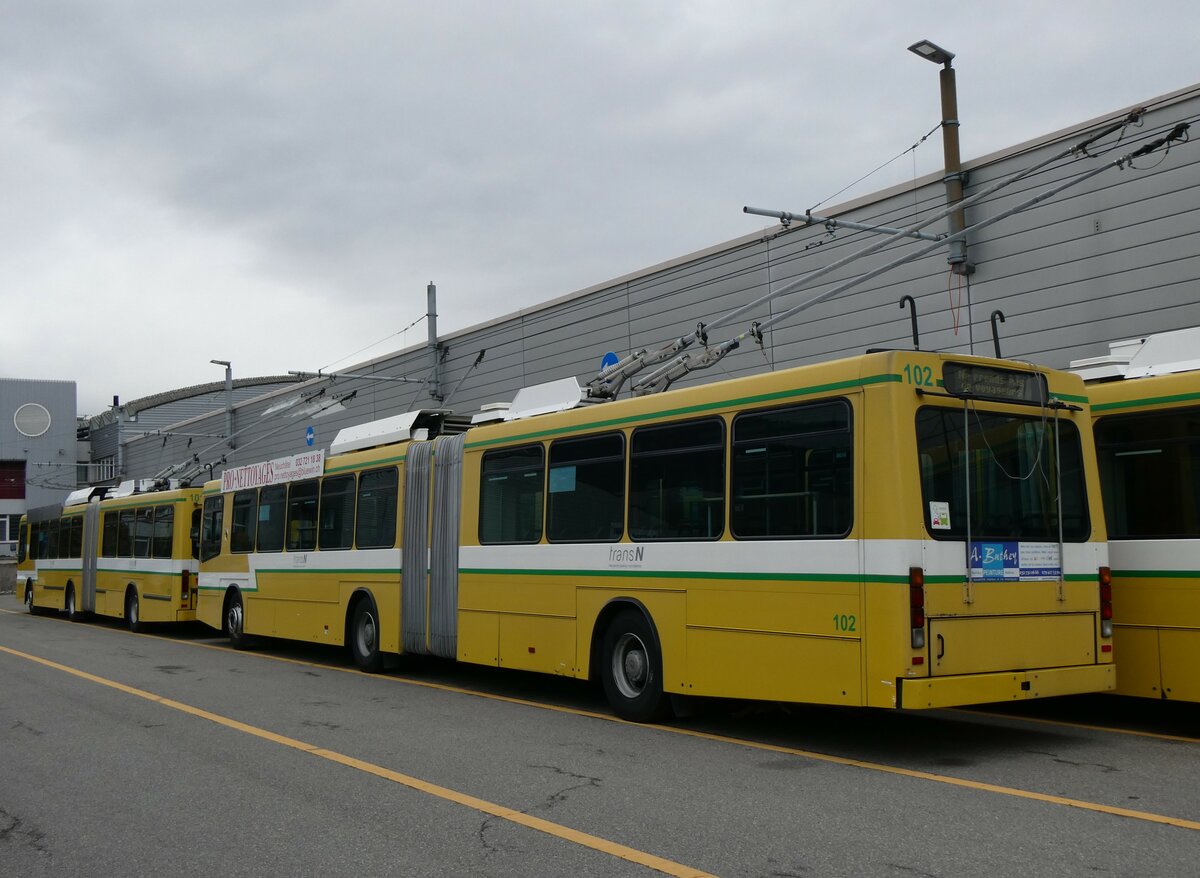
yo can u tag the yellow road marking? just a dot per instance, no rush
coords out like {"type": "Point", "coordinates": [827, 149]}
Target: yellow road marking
{"type": "Point", "coordinates": [557, 830]}
{"type": "Point", "coordinates": [1075, 725]}
{"type": "Point", "coordinates": [742, 742]}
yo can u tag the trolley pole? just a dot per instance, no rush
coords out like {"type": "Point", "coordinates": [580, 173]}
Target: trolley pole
{"type": "Point", "coordinates": [435, 362]}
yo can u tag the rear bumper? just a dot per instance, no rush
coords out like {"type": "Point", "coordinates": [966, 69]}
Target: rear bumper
{"type": "Point", "coordinates": [923, 693]}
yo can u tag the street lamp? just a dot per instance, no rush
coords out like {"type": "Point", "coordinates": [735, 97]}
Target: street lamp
{"type": "Point", "coordinates": [954, 177]}
{"type": "Point", "coordinates": [228, 399]}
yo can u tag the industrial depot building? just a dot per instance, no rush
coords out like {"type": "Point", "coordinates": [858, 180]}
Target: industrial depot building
{"type": "Point", "coordinates": [1112, 257]}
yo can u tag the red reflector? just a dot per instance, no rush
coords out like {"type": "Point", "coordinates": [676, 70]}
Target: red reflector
{"type": "Point", "coordinates": [916, 577]}
{"type": "Point", "coordinates": [918, 618]}
{"type": "Point", "coordinates": [1106, 611]}
{"type": "Point", "coordinates": [532, 649]}
{"type": "Point", "coordinates": [918, 659]}
{"type": "Point", "coordinates": [1106, 592]}
{"type": "Point", "coordinates": [916, 597]}
{"type": "Point", "coordinates": [1105, 576]}
{"type": "Point", "coordinates": [1106, 647]}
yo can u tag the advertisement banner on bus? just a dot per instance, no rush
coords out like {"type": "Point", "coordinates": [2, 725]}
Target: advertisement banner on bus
{"type": "Point", "coordinates": [274, 472]}
{"type": "Point", "coordinates": [1013, 561]}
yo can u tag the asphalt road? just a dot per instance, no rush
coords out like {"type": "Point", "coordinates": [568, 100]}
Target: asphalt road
{"type": "Point", "coordinates": [169, 754]}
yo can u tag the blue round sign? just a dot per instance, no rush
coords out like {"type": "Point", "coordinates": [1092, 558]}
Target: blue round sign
{"type": "Point", "coordinates": [310, 436]}
{"type": "Point", "coordinates": [610, 359]}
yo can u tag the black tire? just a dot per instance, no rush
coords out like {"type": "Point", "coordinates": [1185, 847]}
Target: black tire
{"type": "Point", "coordinates": [74, 614]}
{"type": "Point", "coordinates": [235, 622]}
{"type": "Point", "coordinates": [364, 637]}
{"type": "Point", "coordinates": [133, 611]}
{"type": "Point", "coordinates": [631, 669]}
{"type": "Point", "coordinates": [29, 599]}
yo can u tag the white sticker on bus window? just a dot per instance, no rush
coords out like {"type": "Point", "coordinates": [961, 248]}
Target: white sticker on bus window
{"type": "Point", "coordinates": [939, 515]}
{"type": "Point", "coordinates": [562, 479]}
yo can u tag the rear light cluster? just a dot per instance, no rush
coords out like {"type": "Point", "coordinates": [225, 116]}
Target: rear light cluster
{"type": "Point", "coordinates": [187, 583]}
{"type": "Point", "coordinates": [1105, 602]}
{"type": "Point", "coordinates": [916, 606]}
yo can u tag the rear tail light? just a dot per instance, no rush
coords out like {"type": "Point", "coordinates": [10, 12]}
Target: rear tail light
{"type": "Point", "coordinates": [916, 606]}
{"type": "Point", "coordinates": [187, 585]}
{"type": "Point", "coordinates": [1106, 613]}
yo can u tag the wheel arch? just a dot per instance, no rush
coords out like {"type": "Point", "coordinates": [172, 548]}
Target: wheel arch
{"type": "Point", "coordinates": [229, 594]}
{"type": "Point", "coordinates": [360, 594]}
{"type": "Point", "coordinates": [604, 618]}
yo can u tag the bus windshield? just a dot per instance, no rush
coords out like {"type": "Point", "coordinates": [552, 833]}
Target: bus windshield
{"type": "Point", "coordinates": [1012, 474]}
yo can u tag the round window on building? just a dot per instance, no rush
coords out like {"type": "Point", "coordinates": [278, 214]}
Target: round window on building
{"type": "Point", "coordinates": [32, 420]}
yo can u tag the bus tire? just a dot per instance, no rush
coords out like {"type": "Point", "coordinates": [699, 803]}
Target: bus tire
{"type": "Point", "coordinates": [73, 613]}
{"type": "Point", "coordinates": [631, 669]}
{"type": "Point", "coordinates": [364, 637]}
{"type": "Point", "coordinates": [29, 599]}
{"type": "Point", "coordinates": [235, 621]}
{"type": "Point", "coordinates": [133, 611]}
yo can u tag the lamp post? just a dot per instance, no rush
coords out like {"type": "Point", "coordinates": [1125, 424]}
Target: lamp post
{"type": "Point", "coordinates": [228, 399]}
{"type": "Point", "coordinates": [954, 176]}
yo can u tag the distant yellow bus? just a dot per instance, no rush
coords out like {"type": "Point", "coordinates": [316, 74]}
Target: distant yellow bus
{"type": "Point", "coordinates": [897, 529]}
{"type": "Point", "coordinates": [131, 556]}
{"type": "Point", "coordinates": [1148, 440]}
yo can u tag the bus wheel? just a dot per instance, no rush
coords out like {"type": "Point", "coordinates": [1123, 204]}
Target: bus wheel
{"type": "Point", "coordinates": [29, 599]}
{"type": "Point", "coordinates": [235, 622]}
{"type": "Point", "coordinates": [631, 670]}
{"type": "Point", "coordinates": [364, 638]}
{"type": "Point", "coordinates": [133, 615]}
{"type": "Point", "coordinates": [73, 613]}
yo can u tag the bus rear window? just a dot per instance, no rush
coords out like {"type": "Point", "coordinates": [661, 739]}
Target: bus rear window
{"type": "Point", "coordinates": [1009, 463]}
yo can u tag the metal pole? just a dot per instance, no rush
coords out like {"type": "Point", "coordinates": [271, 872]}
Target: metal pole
{"type": "Point", "coordinates": [435, 383]}
{"type": "Point", "coordinates": [954, 173]}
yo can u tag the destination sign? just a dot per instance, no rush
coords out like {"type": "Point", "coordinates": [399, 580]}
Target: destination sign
{"type": "Point", "coordinates": [274, 472]}
{"type": "Point", "coordinates": [988, 382]}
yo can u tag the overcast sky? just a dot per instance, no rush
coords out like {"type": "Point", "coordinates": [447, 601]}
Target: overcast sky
{"type": "Point", "coordinates": [274, 183]}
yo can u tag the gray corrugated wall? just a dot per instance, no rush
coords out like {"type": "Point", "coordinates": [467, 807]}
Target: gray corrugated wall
{"type": "Point", "coordinates": [1117, 257]}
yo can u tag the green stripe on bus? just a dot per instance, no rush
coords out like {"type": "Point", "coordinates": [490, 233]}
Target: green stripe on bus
{"type": "Point", "coordinates": [144, 500]}
{"type": "Point", "coordinates": [1149, 400]}
{"type": "Point", "coordinates": [1158, 574]}
{"type": "Point", "coordinates": [352, 570]}
{"type": "Point", "coordinates": [365, 467]}
{"type": "Point", "coordinates": [138, 572]}
{"type": "Point", "coordinates": [694, 409]}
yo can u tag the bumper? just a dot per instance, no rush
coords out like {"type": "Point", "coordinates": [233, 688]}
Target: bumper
{"type": "Point", "coordinates": [923, 693]}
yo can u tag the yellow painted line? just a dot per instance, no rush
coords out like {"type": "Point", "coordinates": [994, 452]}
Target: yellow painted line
{"type": "Point", "coordinates": [557, 830]}
{"type": "Point", "coordinates": [742, 742]}
{"type": "Point", "coordinates": [1138, 733]}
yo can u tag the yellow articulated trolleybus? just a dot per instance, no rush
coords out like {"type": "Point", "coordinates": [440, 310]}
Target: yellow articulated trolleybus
{"type": "Point", "coordinates": [898, 529]}
{"type": "Point", "coordinates": [131, 555]}
{"type": "Point", "coordinates": [1146, 404]}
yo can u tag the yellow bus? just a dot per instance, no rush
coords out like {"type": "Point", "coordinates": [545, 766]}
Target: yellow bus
{"type": "Point", "coordinates": [898, 530]}
{"type": "Point", "coordinates": [26, 566]}
{"type": "Point", "coordinates": [132, 555]}
{"type": "Point", "coordinates": [1146, 405]}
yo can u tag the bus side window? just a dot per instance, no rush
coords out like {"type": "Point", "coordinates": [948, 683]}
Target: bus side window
{"type": "Point", "coordinates": [210, 528]}
{"type": "Point", "coordinates": [22, 543]}
{"type": "Point", "coordinates": [164, 531]}
{"type": "Point", "coordinates": [125, 534]}
{"type": "Point", "coordinates": [272, 502]}
{"type": "Point", "coordinates": [302, 516]}
{"type": "Point", "coordinates": [52, 543]}
{"type": "Point", "coordinates": [337, 513]}
{"type": "Point", "coordinates": [144, 529]}
{"type": "Point", "coordinates": [586, 499]}
{"type": "Point", "coordinates": [75, 550]}
{"type": "Point", "coordinates": [197, 515]}
{"type": "Point", "coordinates": [376, 528]}
{"type": "Point", "coordinates": [510, 495]}
{"type": "Point", "coordinates": [108, 544]}
{"type": "Point", "coordinates": [241, 523]}
{"type": "Point", "coordinates": [677, 481]}
{"type": "Point", "coordinates": [792, 472]}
